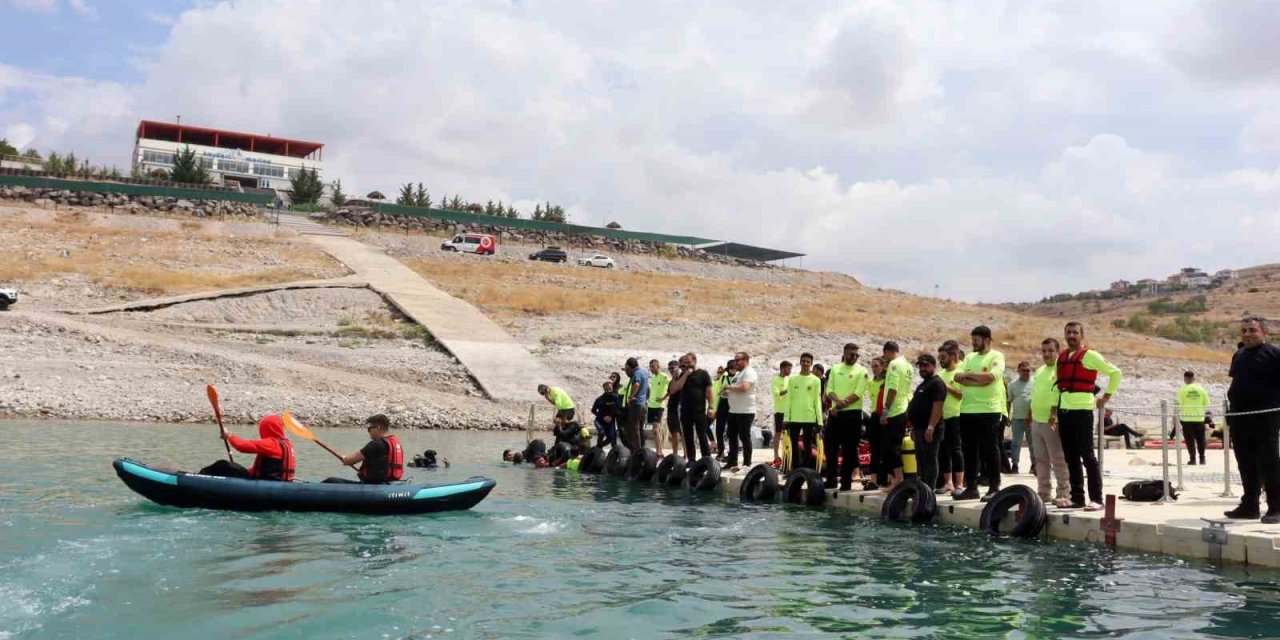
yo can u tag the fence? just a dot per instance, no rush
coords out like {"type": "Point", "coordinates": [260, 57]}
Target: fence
{"type": "Point", "coordinates": [191, 192]}
{"type": "Point", "coordinates": [534, 225]}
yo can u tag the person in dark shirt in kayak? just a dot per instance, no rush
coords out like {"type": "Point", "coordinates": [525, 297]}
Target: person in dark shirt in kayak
{"type": "Point", "coordinates": [274, 452]}
{"type": "Point", "coordinates": [382, 460]}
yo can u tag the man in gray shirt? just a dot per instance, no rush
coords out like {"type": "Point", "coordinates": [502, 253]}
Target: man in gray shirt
{"type": "Point", "coordinates": [1020, 415]}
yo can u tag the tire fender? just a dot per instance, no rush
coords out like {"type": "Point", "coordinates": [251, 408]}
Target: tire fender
{"type": "Point", "coordinates": [1028, 524]}
{"type": "Point", "coordinates": [804, 486]}
{"type": "Point", "coordinates": [760, 484]}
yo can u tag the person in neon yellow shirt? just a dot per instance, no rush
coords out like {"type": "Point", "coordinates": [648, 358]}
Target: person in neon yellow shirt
{"type": "Point", "coordinates": [897, 395]}
{"type": "Point", "coordinates": [779, 388]}
{"type": "Point", "coordinates": [563, 403]}
{"type": "Point", "coordinates": [950, 456]}
{"type": "Point", "coordinates": [875, 404]}
{"type": "Point", "coordinates": [802, 413]}
{"type": "Point", "coordinates": [659, 381]}
{"type": "Point", "coordinates": [1046, 446]}
{"type": "Point", "coordinates": [846, 386]}
{"type": "Point", "coordinates": [1078, 367]}
{"type": "Point", "coordinates": [981, 410]}
{"type": "Point", "coordinates": [1193, 401]}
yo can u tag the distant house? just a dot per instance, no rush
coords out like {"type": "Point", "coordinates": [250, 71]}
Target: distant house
{"type": "Point", "coordinates": [1226, 274]}
{"type": "Point", "coordinates": [1121, 286]}
{"type": "Point", "coordinates": [1150, 285]}
{"type": "Point", "coordinates": [1198, 280]}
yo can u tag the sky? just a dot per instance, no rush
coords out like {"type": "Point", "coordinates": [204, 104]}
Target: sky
{"type": "Point", "coordinates": [989, 151]}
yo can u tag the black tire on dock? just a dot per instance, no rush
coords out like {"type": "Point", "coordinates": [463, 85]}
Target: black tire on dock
{"type": "Point", "coordinates": [804, 486]}
{"type": "Point", "coordinates": [760, 484]}
{"type": "Point", "coordinates": [592, 461]}
{"type": "Point", "coordinates": [642, 465]}
{"type": "Point", "coordinates": [924, 504]}
{"type": "Point", "coordinates": [704, 474]}
{"type": "Point", "coordinates": [671, 470]}
{"type": "Point", "coordinates": [616, 463]}
{"type": "Point", "coordinates": [1029, 524]}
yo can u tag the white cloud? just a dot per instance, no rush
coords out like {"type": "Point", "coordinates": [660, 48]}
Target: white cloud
{"type": "Point", "coordinates": [1002, 154]}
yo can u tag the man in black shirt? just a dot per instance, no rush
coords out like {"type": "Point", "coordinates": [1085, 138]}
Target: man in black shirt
{"type": "Point", "coordinates": [381, 460]}
{"type": "Point", "coordinates": [697, 406]}
{"type": "Point", "coordinates": [924, 412]}
{"type": "Point", "coordinates": [607, 408]}
{"type": "Point", "coordinates": [1255, 386]}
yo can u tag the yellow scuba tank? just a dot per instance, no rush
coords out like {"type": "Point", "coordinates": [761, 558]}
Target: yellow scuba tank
{"type": "Point", "coordinates": [908, 456]}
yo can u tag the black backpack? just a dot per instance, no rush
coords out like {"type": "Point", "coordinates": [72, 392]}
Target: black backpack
{"type": "Point", "coordinates": [1147, 491]}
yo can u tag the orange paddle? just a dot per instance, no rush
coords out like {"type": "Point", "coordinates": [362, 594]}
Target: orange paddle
{"type": "Point", "coordinates": [217, 413]}
{"type": "Point", "coordinates": [302, 432]}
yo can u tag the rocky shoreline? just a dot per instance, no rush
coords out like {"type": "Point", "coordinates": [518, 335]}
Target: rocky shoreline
{"type": "Point", "coordinates": [124, 203]}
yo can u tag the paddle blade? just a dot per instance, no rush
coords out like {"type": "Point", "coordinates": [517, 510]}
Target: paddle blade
{"type": "Point", "coordinates": [297, 429]}
{"type": "Point", "coordinates": [213, 400]}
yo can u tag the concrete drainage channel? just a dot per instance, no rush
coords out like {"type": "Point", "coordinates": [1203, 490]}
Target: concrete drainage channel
{"type": "Point", "coordinates": [1206, 538]}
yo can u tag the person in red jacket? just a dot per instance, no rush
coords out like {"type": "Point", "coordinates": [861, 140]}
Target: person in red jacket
{"type": "Point", "coordinates": [274, 461]}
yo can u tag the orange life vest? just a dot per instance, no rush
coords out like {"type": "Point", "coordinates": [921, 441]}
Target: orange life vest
{"type": "Point", "coordinates": [282, 468]}
{"type": "Point", "coordinates": [394, 466]}
{"type": "Point", "coordinates": [1073, 376]}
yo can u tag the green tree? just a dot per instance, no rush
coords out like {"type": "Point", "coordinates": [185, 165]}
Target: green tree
{"type": "Point", "coordinates": [457, 204]}
{"type": "Point", "coordinates": [188, 169]}
{"type": "Point", "coordinates": [422, 197]}
{"type": "Point", "coordinates": [32, 154]}
{"type": "Point", "coordinates": [305, 187]}
{"type": "Point", "coordinates": [7, 149]}
{"type": "Point", "coordinates": [537, 212]}
{"type": "Point", "coordinates": [406, 196]}
{"type": "Point", "coordinates": [70, 163]}
{"type": "Point", "coordinates": [54, 163]}
{"type": "Point", "coordinates": [339, 198]}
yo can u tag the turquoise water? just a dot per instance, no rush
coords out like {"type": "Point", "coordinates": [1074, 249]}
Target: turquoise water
{"type": "Point", "coordinates": [546, 555]}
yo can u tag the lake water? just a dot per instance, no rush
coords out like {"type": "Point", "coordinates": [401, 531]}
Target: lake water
{"type": "Point", "coordinates": [548, 554]}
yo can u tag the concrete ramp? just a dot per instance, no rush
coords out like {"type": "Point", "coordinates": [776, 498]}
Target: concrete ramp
{"type": "Point", "coordinates": [503, 368]}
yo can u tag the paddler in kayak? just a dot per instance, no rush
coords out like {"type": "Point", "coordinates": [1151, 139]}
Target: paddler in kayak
{"type": "Point", "coordinates": [381, 461]}
{"type": "Point", "coordinates": [274, 452]}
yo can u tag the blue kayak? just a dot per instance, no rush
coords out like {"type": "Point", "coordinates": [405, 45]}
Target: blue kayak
{"type": "Point", "coordinates": [192, 490]}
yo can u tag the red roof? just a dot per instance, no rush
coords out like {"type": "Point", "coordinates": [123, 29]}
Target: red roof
{"type": "Point", "coordinates": [153, 130]}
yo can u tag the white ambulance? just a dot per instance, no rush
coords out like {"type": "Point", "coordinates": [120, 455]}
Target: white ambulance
{"type": "Point", "coordinates": [478, 243]}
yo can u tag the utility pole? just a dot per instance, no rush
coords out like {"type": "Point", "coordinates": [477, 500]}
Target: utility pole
{"type": "Point", "coordinates": [179, 118]}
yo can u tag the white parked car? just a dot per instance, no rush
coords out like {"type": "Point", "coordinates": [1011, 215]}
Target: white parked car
{"type": "Point", "coordinates": [7, 297]}
{"type": "Point", "coordinates": [478, 243]}
{"type": "Point", "coordinates": [597, 260]}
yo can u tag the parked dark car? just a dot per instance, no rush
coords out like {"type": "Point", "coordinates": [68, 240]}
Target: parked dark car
{"type": "Point", "coordinates": [550, 254]}
{"type": "Point", "coordinates": [7, 297]}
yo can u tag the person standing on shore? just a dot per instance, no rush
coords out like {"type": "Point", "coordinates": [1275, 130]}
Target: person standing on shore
{"type": "Point", "coordinates": [1078, 369]}
{"type": "Point", "coordinates": [950, 455]}
{"type": "Point", "coordinates": [741, 395]}
{"type": "Point", "coordinates": [924, 414]}
{"type": "Point", "coordinates": [637, 404]}
{"type": "Point", "coordinates": [723, 377]}
{"type": "Point", "coordinates": [874, 430]}
{"type": "Point", "coordinates": [1255, 386]}
{"type": "Point", "coordinates": [658, 383]}
{"type": "Point", "coordinates": [897, 395]}
{"type": "Point", "coordinates": [779, 388]}
{"type": "Point", "coordinates": [802, 414]}
{"type": "Point", "coordinates": [1046, 446]}
{"type": "Point", "coordinates": [673, 406]}
{"type": "Point", "coordinates": [697, 405]}
{"type": "Point", "coordinates": [846, 385]}
{"type": "Point", "coordinates": [981, 410]}
{"type": "Point", "coordinates": [1193, 402]}
{"type": "Point", "coordinates": [1020, 416]}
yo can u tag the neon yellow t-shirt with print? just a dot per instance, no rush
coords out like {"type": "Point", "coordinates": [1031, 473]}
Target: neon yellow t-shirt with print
{"type": "Point", "coordinates": [898, 378]}
{"type": "Point", "coordinates": [988, 398]}
{"type": "Point", "coordinates": [1194, 401]}
{"type": "Point", "coordinates": [1044, 393]}
{"type": "Point", "coordinates": [848, 379]}
{"type": "Point", "coordinates": [803, 401]}
{"type": "Point", "coordinates": [950, 406]}
{"type": "Point", "coordinates": [658, 386]}
{"type": "Point", "coordinates": [561, 399]}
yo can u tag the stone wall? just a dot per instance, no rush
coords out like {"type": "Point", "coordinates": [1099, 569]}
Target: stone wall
{"type": "Point", "coordinates": [121, 203]}
{"type": "Point", "coordinates": [365, 217]}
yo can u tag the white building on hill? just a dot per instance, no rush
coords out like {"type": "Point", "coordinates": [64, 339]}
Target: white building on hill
{"type": "Point", "coordinates": [250, 160]}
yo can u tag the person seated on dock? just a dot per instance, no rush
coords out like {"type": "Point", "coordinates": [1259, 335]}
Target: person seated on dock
{"type": "Point", "coordinates": [1110, 428]}
{"type": "Point", "coordinates": [274, 461]}
{"type": "Point", "coordinates": [606, 409]}
{"type": "Point", "coordinates": [381, 460]}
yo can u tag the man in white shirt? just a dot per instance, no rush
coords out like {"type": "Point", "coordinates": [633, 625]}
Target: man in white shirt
{"type": "Point", "coordinates": [741, 392]}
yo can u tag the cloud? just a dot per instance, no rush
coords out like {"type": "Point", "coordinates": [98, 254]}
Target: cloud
{"type": "Point", "coordinates": [1000, 154]}
{"type": "Point", "coordinates": [79, 7]}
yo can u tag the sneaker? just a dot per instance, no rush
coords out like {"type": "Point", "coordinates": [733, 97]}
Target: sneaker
{"type": "Point", "coordinates": [990, 494]}
{"type": "Point", "coordinates": [1093, 506]}
{"type": "Point", "coordinates": [942, 491]}
{"type": "Point", "coordinates": [967, 494]}
{"type": "Point", "coordinates": [1272, 517]}
{"type": "Point", "coordinates": [1242, 513]}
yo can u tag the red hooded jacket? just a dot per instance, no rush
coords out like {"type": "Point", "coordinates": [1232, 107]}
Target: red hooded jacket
{"type": "Point", "coordinates": [275, 459]}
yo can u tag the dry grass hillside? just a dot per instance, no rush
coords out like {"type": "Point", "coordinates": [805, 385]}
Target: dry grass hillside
{"type": "Point", "coordinates": [516, 291]}
{"type": "Point", "coordinates": [1255, 291]}
{"type": "Point", "coordinates": [78, 256]}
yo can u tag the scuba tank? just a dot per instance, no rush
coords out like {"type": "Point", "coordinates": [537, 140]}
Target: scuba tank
{"type": "Point", "coordinates": [908, 456]}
